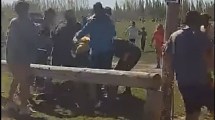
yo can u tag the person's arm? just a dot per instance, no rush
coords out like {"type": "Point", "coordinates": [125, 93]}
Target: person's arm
{"type": "Point", "coordinates": [153, 38]}
{"type": "Point", "coordinates": [126, 31]}
{"type": "Point", "coordinates": [169, 51]}
{"type": "Point", "coordinates": [84, 31]}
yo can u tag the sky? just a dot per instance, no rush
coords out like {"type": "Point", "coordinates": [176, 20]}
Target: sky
{"type": "Point", "coordinates": [109, 3]}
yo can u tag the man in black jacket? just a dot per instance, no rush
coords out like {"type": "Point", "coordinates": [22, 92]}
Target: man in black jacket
{"type": "Point", "coordinates": [62, 39]}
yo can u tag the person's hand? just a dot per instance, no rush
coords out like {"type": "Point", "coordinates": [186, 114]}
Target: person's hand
{"type": "Point", "coordinates": [75, 40]}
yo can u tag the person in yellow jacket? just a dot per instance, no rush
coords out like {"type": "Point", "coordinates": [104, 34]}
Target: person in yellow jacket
{"type": "Point", "coordinates": [82, 52]}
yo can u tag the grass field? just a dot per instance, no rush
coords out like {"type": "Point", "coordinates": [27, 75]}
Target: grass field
{"type": "Point", "coordinates": [132, 107]}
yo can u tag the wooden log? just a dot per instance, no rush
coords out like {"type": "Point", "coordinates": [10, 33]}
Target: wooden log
{"type": "Point", "coordinates": [96, 76]}
{"type": "Point", "coordinates": [153, 105]}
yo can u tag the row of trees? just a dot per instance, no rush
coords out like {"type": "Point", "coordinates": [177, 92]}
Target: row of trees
{"type": "Point", "coordinates": [128, 9]}
{"type": "Point", "coordinates": [135, 8]}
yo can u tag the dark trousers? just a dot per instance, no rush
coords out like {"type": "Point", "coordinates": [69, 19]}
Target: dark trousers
{"type": "Point", "coordinates": [128, 64]}
{"type": "Point", "coordinates": [143, 43]}
{"type": "Point", "coordinates": [62, 58]}
{"type": "Point", "coordinates": [101, 61]}
{"type": "Point", "coordinates": [196, 97]}
{"type": "Point", "coordinates": [42, 58]}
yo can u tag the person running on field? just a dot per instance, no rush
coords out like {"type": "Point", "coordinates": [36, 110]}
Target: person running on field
{"type": "Point", "coordinates": [185, 54]}
{"type": "Point", "coordinates": [132, 32]}
{"type": "Point", "coordinates": [22, 44]}
{"type": "Point", "coordinates": [157, 42]}
{"type": "Point", "coordinates": [143, 34]}
{"type": "Point", "coordinates": [101, 30]}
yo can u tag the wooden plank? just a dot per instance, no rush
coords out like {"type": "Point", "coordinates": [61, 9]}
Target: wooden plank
{"type": "Point", "coordinates": [153, 105]}
{"type": "Point", "coordinates": [97, 76]}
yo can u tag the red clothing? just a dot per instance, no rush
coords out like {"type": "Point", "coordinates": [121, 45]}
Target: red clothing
{"type": "Point", "coordinates": [158, 40]}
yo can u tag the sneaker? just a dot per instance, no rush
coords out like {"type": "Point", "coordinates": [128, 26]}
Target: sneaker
{"type": "Point", "coordinates": [11, 106]}
{"type": "Point", "coordinates": [27, 110]}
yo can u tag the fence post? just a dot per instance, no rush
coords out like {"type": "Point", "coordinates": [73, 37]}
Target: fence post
{"type": "Point", "coordinates": [172, 19]}
{"type": "Point", "coordinates": [153, 105]}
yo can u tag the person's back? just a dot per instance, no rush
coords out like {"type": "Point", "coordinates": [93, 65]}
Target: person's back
{"type": "Point", "coordinates": [22, 40]}
{"type": "Point", "coordinates": [100, 38]}
{"type": "Point", "coordinates": [189, 64]}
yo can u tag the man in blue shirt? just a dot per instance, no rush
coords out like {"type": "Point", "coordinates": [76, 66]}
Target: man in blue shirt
{"type": "Point", "coordinates": [184, 53]}
{"type": "Point", "coordinates": [101, 30]}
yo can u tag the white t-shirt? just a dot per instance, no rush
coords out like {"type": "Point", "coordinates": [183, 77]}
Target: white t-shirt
{"type": "Point", "coordinates": [132, 32]}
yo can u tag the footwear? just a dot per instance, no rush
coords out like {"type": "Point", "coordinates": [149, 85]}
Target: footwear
{"type": "Point", "coordinates": [26, 110]}
{"type": "Point", "coordinates": [158, 66]}
{"type": "Point", "coordinates": [11, 106]}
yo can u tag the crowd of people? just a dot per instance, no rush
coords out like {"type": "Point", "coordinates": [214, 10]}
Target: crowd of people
{"type": "Point", "coordinates": [73, 44]}
{"type": "Point", "coordinates": [42, 43]}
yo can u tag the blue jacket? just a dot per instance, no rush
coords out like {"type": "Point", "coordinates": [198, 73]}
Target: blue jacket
{"type": "Point", "coordinates": [101, 31]}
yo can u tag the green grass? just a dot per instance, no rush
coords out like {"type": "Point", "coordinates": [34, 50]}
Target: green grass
{"type": "Point", "coordinates": [147, 58]}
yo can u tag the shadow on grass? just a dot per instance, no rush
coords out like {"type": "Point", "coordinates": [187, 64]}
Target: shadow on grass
{"type": "Point", "coordinates": [62, 105]}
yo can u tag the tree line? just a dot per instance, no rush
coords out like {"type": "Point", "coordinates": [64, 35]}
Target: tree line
{"type": "Point", "coordinates": [126, 10]}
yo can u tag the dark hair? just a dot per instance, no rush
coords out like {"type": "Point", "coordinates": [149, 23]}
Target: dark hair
{"type": "Point", "coordinates": [21, 6]}
{"type": "Point", "coordinates": [206, 16]}
{"type": "Point", "coordinates": [133, 23]}
{"type": "Point", "coordinates": [108, 10]}
{"type": "Point", "coordinates": [69, 13]}
{"type": "Point", "coordinates": [49, 11]}
{"type": "Point", "coordinates": [192, 18]}
{"type": "Point", "coordinates": [98, 7]}
{"type": "Point", "coordinates": [143, 28]}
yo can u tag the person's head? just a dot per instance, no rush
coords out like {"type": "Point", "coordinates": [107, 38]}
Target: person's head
{"type": "Point", "coordinates": [108, 11]}
{"type": "Point", "coordinates": [205, 18]}
{"type": "Point", "coordinates": [133, 23]}
{"type": "Point", "coordinates": [69, 15]}
{"type": "Point", "coordinates": [193, 19]}
{"type": "Point", "coordinates": [98, 8]}
{"type": "Point", "coordinates": [49, 15]}
{"type": "Point", "coordinates": [21, 8]}
{"type": "Point", "coordinates": [159, 27]}
{"type": "Point", "coordinates": [143, 28]}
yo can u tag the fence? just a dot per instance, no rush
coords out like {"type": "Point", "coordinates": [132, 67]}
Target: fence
{"type": "Point", "coordinates": [151, 82]}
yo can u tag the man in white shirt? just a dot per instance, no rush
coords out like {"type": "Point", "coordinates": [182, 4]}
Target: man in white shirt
{"type": "Point", "coordinates": [132, 32]}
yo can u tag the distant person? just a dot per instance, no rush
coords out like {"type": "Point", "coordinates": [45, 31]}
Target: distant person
{"type": "Point", "coordinates": [101, 40]}
{"type": "Point", "coordinates": [22, 44]}
{"type": "Point", "coordinates": [62, 40]}
{"type": "Point", "coordinates": [132, 32]}
{"type": "Point", "coordinates": [157, 42]}
{"type": "Point", "coordinates": [184, 54]}
{"type": "Point", "coordinates": [143, 34]}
